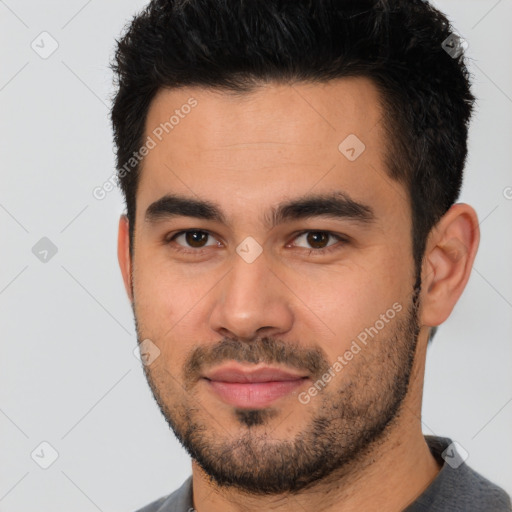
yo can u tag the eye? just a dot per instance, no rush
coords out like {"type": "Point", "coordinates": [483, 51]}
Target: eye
{"type": "Point", "coordinates": [318, 240]}
{"type": "Point", "coordinates": [193, 238]}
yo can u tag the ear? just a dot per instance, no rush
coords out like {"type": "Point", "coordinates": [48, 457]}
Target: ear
{"type": "Point", "coordinates": [123, 254]}
{"type": "Point", "coordinates": [449, 255]}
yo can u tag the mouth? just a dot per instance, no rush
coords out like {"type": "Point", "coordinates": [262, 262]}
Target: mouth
{"type": "Point", "coordinates": [252, 387]}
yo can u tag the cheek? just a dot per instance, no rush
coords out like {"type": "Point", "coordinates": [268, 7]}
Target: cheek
{"type": "Point", "coordinates": [155, 298]}
{"type": "Point", "coordinates": [342, 302]}
{"type": "Point", "coordinates": [158, 285]}
{"type": "Point", "coordinates": [168, 300]}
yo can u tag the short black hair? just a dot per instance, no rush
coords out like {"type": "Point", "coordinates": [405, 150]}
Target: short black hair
{"type": "Point", "coordinates": [407, 48]}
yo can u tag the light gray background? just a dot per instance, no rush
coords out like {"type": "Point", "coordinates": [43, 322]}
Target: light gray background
{"type": "Point", "coordinates": [67, 372]}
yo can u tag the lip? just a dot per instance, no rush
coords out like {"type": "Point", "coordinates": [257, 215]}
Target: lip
{"type": "Point", "coordinates": [241, 374]}
{"type": "Point", "coordinates": [253, 387]}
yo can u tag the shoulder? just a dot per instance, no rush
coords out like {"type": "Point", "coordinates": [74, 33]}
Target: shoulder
{"type": "Point", "coordinates": [458, 487]}
{"type": "Point", "coordinates": [178, 501]}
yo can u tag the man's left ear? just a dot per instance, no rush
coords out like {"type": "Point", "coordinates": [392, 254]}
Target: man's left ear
{"type": "Point", "coordinates": [449, 255]}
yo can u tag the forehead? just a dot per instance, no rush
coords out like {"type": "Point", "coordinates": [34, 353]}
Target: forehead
{"type": "Point", "coordinates": [279, 139]}
{"type": "Point", "coordinates": [270, 114]}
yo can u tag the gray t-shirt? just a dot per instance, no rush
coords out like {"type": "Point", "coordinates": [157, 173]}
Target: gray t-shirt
{"type": "Point", "coordinates": [457, 488]}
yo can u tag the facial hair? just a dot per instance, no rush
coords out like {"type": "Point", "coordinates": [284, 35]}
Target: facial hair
{"type": "Point", "coordinates": [355, 410]}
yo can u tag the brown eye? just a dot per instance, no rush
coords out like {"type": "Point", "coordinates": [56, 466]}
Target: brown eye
{"type": "Point", "coordinates": [317, 239]}
{"type": "Point", "coordinates": [318, 243]}
{"type": "Point", "coordinates": [193, 239]}
{"type": "Point", "coordinates": [196, 238]}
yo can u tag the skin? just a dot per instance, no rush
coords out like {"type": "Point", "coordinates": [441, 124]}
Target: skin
{"type": "Point", "coordinates": [247, 153]}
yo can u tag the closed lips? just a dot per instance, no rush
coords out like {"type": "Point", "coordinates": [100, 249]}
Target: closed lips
{"type": "Point", "coordinates": [266, 374]}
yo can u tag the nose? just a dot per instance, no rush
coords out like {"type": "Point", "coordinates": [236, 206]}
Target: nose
{"type": "Point", "coordinates": [251, 301]}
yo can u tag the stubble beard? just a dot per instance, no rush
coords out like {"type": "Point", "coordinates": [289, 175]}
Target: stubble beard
{"type": "Point", "coordinates": [342, 423]}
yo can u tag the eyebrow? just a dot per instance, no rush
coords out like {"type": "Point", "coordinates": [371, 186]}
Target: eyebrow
{"type": "Point", "coordinates": [336, 205]}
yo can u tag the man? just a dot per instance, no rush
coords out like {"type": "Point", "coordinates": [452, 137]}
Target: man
{"type": "Point", "coordinates": [292, 241]}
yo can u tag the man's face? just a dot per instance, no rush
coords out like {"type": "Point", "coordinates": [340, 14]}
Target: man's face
{"type": "Point", "coordinates": [322, 291]}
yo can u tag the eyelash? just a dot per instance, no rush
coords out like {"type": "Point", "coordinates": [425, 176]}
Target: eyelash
{"type": "Point", "coordinates": [323, 251]}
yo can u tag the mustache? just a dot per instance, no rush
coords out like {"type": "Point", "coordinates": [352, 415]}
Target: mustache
{"type": "Point", "coordinates": [262, 350]}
